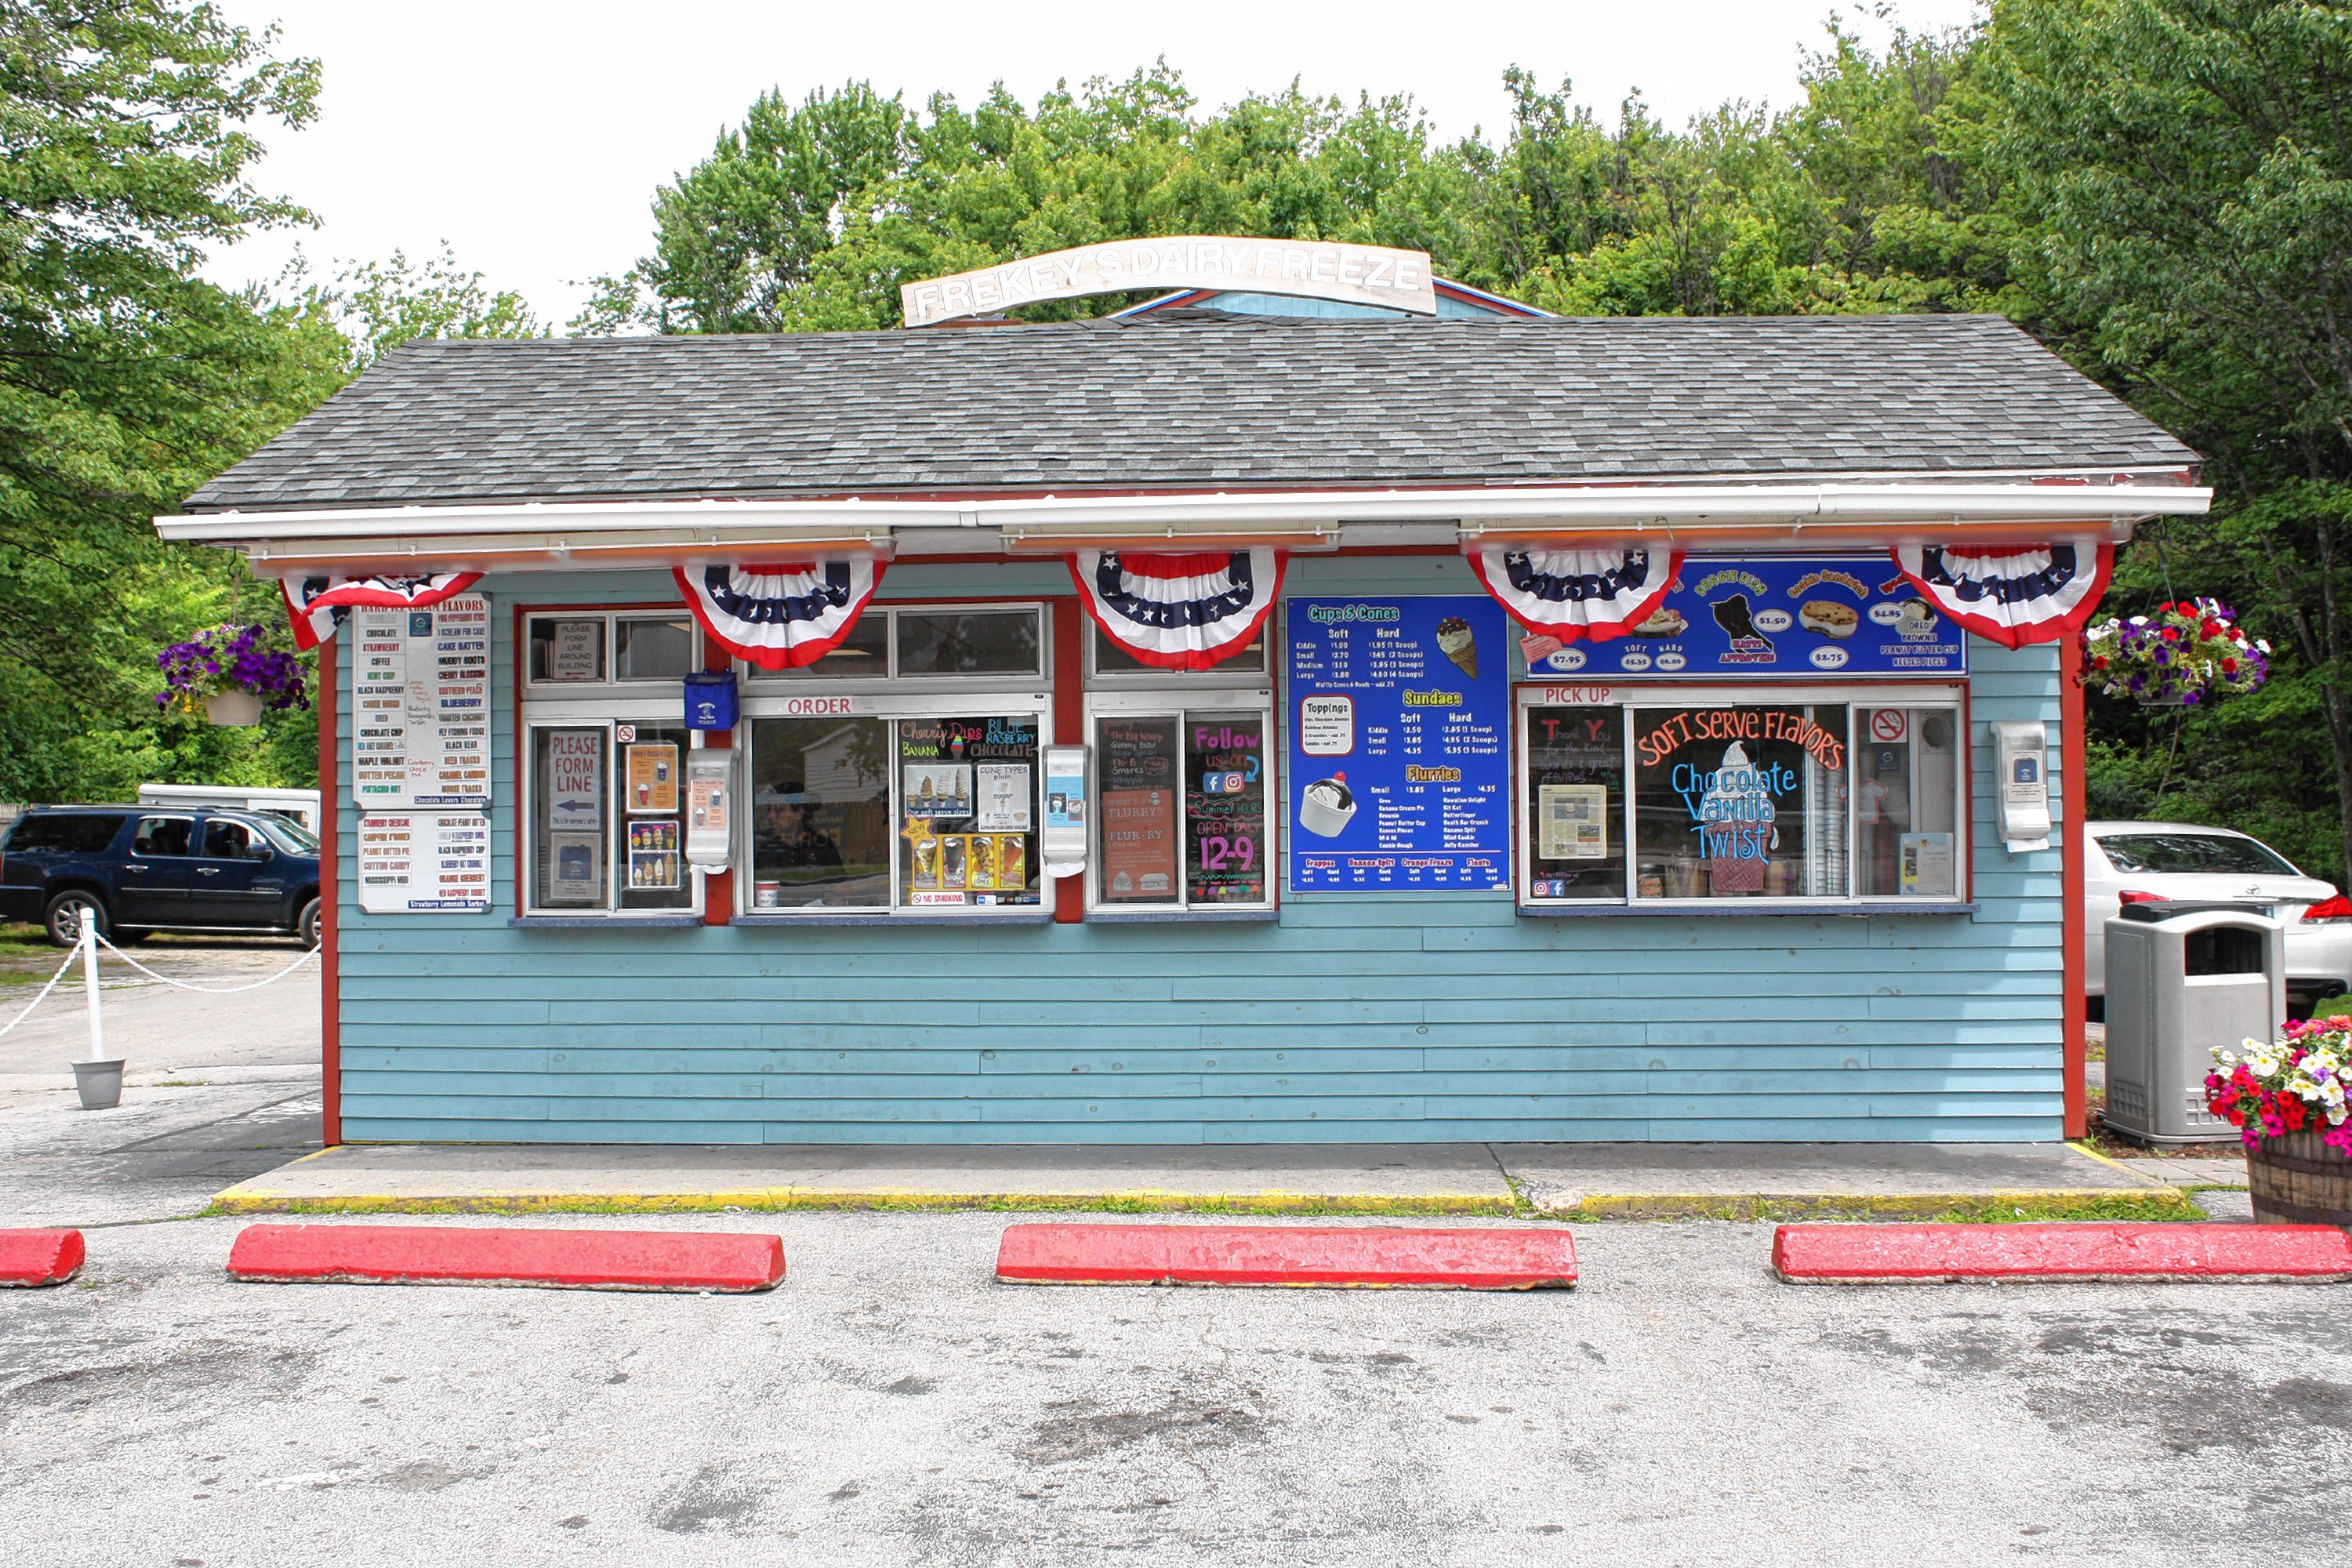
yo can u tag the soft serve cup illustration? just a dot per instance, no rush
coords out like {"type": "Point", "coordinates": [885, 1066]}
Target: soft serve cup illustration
{"type": "Point", "coordinates": [1327, 806]}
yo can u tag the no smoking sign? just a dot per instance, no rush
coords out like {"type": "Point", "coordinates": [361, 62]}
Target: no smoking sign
{"type": "Point", "coordinates": [1888, 724]}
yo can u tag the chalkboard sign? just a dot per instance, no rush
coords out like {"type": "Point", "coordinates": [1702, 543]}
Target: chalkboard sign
{"type": "Point", "coordinates": [1224, 808]}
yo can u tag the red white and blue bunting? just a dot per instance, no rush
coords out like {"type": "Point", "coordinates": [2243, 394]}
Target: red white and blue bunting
{"type": "Point", "coordinates": [1179, 611]}
{"type": "Point", "coordinates": [1573, 594]}
{"type": "Point", "coordinates": [2012, 593]}
{"type": "Point", "coordinates": [784, 615]}
{"type": "Point", "coordinates": [315, 606]}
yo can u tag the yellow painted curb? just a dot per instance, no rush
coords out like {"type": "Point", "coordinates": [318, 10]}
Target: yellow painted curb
{"type": "Point", "coordinates": [244, 1199]}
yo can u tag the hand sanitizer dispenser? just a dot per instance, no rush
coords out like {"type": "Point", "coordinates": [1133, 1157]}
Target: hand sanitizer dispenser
{"type": "Point", "coordinates": [2022, 788]}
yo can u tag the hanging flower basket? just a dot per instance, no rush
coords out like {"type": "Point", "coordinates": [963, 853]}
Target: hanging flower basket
{"type": "Point", "coordinates": [229, 673]}
{"type": "Point", "coordinates": [2287, 1101]}
{"type": "Point", "coordinates": [2184, 654]}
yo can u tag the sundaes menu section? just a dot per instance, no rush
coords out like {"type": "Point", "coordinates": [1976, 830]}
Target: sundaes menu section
{"type": "Point", "coordinates": [420, 706]}
{"type": "Point", "coordinates": [1397, 766]}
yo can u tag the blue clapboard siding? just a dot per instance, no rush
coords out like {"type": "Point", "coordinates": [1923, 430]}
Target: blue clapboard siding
{"type": "Point", "coordinates": [1443, 1017]}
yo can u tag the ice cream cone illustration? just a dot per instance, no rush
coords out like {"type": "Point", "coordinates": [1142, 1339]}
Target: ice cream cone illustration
{"type": "Point", "coordinates": [1457, 642]}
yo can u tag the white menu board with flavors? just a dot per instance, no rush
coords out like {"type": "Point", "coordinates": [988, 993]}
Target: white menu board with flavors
{"type": "Point", "coordinates": [424, 860]}
{"type": "Point", "coordinates": [421, 706]}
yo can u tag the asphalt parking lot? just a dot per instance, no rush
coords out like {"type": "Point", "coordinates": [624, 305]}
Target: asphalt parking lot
{"type": "Point", "coordinates": [891, 1405]}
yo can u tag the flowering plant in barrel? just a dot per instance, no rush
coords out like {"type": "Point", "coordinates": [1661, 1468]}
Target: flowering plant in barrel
{"type": "Point", "coordinates": [2184, 654]}
{"type": "Point", "coordinates": [230, 671]}
{"type": "Point", "coordinates": [2287, 1098]}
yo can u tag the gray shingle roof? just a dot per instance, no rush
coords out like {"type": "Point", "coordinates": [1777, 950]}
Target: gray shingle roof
{"type": "Point", "coordinates": [1234, 402]}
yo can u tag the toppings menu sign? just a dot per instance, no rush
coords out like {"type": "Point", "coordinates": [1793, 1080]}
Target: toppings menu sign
{"type": "Point", "coordinates": [420, 706]}
{"type": "Point", "coordinates": [1398, 771]}
{"type": "Point", "coordinates": [1774, 615]}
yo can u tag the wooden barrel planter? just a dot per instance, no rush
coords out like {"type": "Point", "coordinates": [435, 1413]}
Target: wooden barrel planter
{"type": "Point", "coordinates": [2298, 1180]}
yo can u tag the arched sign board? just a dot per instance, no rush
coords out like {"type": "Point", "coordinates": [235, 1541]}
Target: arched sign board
{"type": "Point", "coordinates": [1310, 270]}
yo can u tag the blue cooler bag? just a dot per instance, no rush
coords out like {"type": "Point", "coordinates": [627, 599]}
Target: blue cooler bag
{"type": "Point", "coordinates": [710, 700]}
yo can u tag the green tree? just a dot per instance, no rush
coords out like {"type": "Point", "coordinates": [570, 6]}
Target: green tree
{"type": "Point", "coordinates": [125, 382]}
{"type": "Point", "coordinates": [2191, 161]}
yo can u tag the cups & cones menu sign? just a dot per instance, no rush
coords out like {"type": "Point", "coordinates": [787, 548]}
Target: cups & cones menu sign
{"type": "Point", "coordinates": [420, 706]}
{"type": "Point", "coordinates": [1398, 770]}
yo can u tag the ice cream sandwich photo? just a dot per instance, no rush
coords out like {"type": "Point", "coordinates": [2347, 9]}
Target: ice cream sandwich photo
{"type": "Point", "coordinates": [1827, 617]}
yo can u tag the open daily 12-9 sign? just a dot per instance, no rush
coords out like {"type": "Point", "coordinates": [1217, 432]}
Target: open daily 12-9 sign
{"type": "Point", "coordinates": [1775, 615]}
{"type": "Point", "coordinates": [1398, 768]}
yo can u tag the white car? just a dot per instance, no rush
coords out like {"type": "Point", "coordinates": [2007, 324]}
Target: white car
{"type": "Point", "coordinates": [2143, 862]}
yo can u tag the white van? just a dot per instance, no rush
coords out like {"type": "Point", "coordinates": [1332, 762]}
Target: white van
{"type": "Point", "coordinates": [298, 804]}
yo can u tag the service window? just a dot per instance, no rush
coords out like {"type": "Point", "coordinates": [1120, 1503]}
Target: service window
{"type": "Point", "coordinates": [1183, 770]}
{"type": "Point", "coordinates": [896, 809]}
{"type": "Point", "coordinates": [603, 809]}
{"type": "Point", "coordinates": [1707, 798]}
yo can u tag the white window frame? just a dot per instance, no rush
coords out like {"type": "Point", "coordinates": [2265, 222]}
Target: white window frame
{"type": "Point", "coordinates": [1170, 696]}
{"type": "Point", "coordinates": [934, 697]}
{"type": "Point", "coordinates": [1624, 820]}
{"type": "Point", "coordinates": [582, 710]}
{"type": "Point", "coordinates": [612, 683]}
{"type": "Point", "coordinates": [1226, 674]}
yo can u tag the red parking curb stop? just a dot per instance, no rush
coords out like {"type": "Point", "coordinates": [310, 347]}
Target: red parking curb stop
{"type": "Point", "coordinates": [1914, 1254]}
{"type": "Point", "coordinates": [473, 1255]}
{"type": "Point", "coordinates": [39, 1256]}
{"type": "Point", "coordinates": [1454, 1258]}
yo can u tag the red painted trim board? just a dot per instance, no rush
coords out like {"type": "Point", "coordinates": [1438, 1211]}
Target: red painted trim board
{"type": "Point", "coordinates": [1917, 1254]}
{"type": "Point", "coordinates": [1461, 1258]}
{"type": "Point", "coordinates": [1069, 630]}
{"type": "Point", "coordinates": [2073, 844]}
{"type": "Point", "coordinates": [34, 1257]}
{"type": "Point", "coordinates": [466, 1255]}
{"type": "Point", "coordinates": [331, 968]}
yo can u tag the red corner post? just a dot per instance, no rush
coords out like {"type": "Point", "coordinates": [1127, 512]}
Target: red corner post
{"type": "Point", "coordinates": [2073, 843]}
{"type": "Point", "coordinates": [330, 1044]}
{"type": "Point", "coordinates": [719, 887]}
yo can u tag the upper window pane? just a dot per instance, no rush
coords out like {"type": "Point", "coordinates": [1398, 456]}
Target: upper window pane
{"type": "Point", "coordinates": [968, 642]}
{"type": "Point", "coordinates": [821, 829]}
{"type": "Point", "coordinates": [864, 654]}
{"type": "Point", "coordinates": [653, 650]}
{"type": "Point", "coordinates": [567, 649]}
{"type": "Point", "coordinates": [1740, 800]}
{"type": "Point", "coordinates": [1112, 659]}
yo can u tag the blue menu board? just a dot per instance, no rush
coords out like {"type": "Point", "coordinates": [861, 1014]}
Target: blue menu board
{"type": "Point", "coordinates": [1398, 744]}
{"type": "Point", "coordinates": [1776, 615]}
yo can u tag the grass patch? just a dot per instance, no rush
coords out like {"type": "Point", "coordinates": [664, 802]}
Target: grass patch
{"type": "Point", "coordinates": [2000, 1208]}
{"type": "Point", "coordinates": [881, 1203]}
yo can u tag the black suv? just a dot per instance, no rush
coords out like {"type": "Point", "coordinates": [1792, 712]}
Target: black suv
{"type": "Point", "coordinates": [140, 869]}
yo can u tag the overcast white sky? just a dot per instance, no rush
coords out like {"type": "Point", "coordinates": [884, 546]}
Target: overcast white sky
{"type": "Point", "coordinates": [529, 134]}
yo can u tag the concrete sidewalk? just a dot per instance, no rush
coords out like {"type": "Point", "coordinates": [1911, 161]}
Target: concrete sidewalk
{"type": "Point", "coordinates": [1592, 1181]}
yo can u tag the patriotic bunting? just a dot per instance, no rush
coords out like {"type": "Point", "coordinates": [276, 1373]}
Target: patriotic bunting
{"type": "Point", "coordinates": [1573, 594]}
{"type": "Point", "coordinates": [2012, 593]}
{"type": "Point", "coordinates": [315, 606]}
{"type": "Point", "coordinates": [1187, 611]}
{"type": "Point", "coordinates": [780, 616]}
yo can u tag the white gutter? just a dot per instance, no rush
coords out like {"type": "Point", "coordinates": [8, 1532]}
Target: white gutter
{"type": "Point", "coordinates": [1473, 511]}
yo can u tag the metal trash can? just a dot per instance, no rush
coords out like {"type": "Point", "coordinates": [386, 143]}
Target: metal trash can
{"type": "Point", "coordinates": [2179, 984]}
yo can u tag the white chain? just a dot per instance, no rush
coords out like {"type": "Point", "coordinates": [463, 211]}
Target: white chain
{"type": "Point", "coordinates": [308, 955]}
{"type": "Point", "coordinates": [44, 996]}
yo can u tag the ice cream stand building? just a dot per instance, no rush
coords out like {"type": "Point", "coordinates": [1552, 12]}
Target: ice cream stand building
{"type": "Point", "coordinates": [1320, 702]}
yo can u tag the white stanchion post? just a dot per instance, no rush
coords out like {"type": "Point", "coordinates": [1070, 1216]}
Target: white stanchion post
{"type": "Point", "coordinates": [90, 985]}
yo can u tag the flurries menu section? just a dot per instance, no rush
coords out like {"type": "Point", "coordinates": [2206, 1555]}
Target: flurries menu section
{"type": "Point", "coordinates": [1397, 765]}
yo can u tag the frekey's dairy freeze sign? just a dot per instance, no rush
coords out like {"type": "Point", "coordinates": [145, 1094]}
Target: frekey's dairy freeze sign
{"type": "Point", "coordinates": [1357, 274]}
